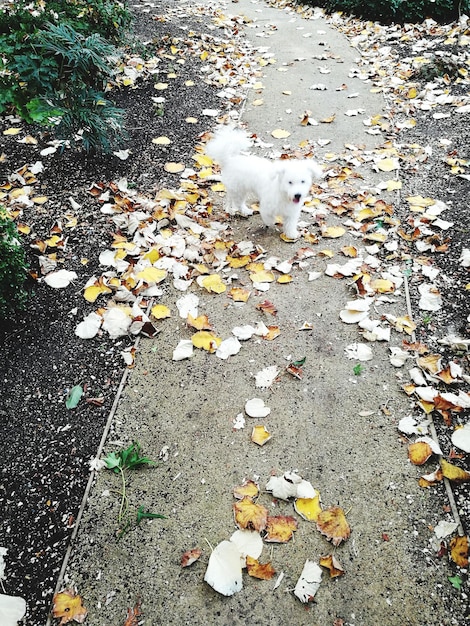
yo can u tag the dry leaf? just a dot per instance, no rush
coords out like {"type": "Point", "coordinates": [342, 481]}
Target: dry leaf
{"type": "Point", "coordinates": [255, 569]}
{"type": "Point", "coordinates": [133, 615]}
{"type": "Point", "coordinates": [249, 489]}
{"type": "Point", "coordinates": [67, 605]}
{"type": "Point", "coordinates": [454, 473]}
{"type": "Point", "coordinates": [249, 515]}
{"type": "Point", "coordinates": [190, 557]}
{"type": "Point", "coordinates": [333, 524]}
{"type": "Point", "coordinates": [308, 508]}
{"type": "Point", "coordinates": [199, 323]}
{"type": "Point", "coordinates": [280, 528]}
{"type": "Point", "coordinates": [332, 563]}
{"type": "Point", "coordinates": [174, 168]}
{"type": "Point", "coordinates": [206, 340]}
{"type": "Point", "coordinates": [267, 307]}
{"type": "Point", "coordinates": [309, 582]}
{"type": "Point", "coordinates": [459, 550]}
{"type": "Point", "coordinates": [224, 570]}
{"type": "Point", "coordinates": [160, 311]}
{"type": "Point", "coordinates": [260, 435]}
{"type": "Point", "coordinates": [279, 133]}
{"type": "Point", "coordinates": [419, 452]}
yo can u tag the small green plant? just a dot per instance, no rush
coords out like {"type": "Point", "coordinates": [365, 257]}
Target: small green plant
{"type": "Point", "coordinates": [13, 268]}
{"type": "Point", "coordinates": [427, 319]}
{"type": "Point", "coordinates": [120, 463]}
{"type": "Point", "coordinates": [56, 64]}
{"type": "Point", "coordinates": [358, 369]}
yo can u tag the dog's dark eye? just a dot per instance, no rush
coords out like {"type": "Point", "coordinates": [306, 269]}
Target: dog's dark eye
{"type": "Point", "coordinates": [302, 182]}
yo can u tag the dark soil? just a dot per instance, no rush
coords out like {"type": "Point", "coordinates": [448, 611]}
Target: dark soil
{"type": "Point", "coordinates": [46, 448]}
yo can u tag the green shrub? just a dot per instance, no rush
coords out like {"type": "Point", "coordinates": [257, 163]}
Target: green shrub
{"type": "Point", "coordinates": [13, 268]}
{"type": "Point", "coordinates": [55, 72]}
{"type": "Point", "coordinates": [399, 11]}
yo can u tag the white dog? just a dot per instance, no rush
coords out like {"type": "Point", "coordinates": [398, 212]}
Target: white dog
{"type": "Point", "coordinates": [281, 186]}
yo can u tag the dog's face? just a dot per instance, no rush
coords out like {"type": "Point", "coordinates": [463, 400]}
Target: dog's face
{"type": "Point", "coordinates": [295, 179]}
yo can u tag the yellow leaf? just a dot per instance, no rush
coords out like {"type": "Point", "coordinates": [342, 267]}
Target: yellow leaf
{"type": "Point", "coordinates": [206, 341]}
{"type": "Point", "coordinates": [394, 185]}
{"type": "Point", "coordinates": [260, 435]}
{"type": "Point", "coordinates": [412, 93]}
{"type": "Point", "coordinates": [199, 323]}
{"type": "Point", "coordinates": [152, 255]}
{"type": "Point", "coordinates": [213, 283]}
{"type": "Point", "coordinates": [151, 275]}
{"type": "Point", "coordinates": [280, 528]}
{"type": "Point", "coordinates": [333, 232]}
{"type": "Point", "coordinates": [349, 251]}
{"type": "Point", "coordinates": [284, 279]}
{"type": "Point", "coordinates": [382, 285]}
{"type": "Point", "coordinates": [191, 120]}
{"type": "Point", "coordinates": [173, 168]}
{"type": "Point", "coordinates": [328, 253]}
{"type": "Point", "coordinates": [332, 563]}
{"type": "Point", "coordinates": [273, 332]}
{"type": "Point", "coordinates": [333, 524]}
{"type": "Point", "coordinates": [388, 165]}
{"type": "Point", "coordinates": [459, 550]}
{"type": "Point", "coordinates": [68, 606]}
{"type": "Point", "coordinates": [328, 120]}
{"type": "Point", "coordinates": [40, 199]}
{"type": "Point", "coordinates": [431, 363]}
{"type": "Point", "coordinates": [308, 508]}
{"type": "Point", "coordinates": [161, 141]}
{"type": "Point", "coordinates": [24, 229]}
{"type": "Point", "coordinates": [218, 187]}
{"type": "Point", "coordinates": [249, 489]}
{"type": "Point", "coordinates": [262, 276]}
{"type": "Point", "coordinates": [161, 86]}
{"type": "Point", "coordinates": [160, 311]}
{"type": "Point", "coordinates": [249, 515]}
{"type": "Point", "coordinates": [189, 83]}
{"type": "Point", "coordinates": [419, 452]}
{"type": "Point", "coordinates": [256, 570]}
{"type": "Point", "coordinates": [12, 131]}
{"type": "Point", "coordinates": [257, 103]}
{"type": "Point", "coordinates": [239, 294]}
{"type": "Point", "coordinates": [279, 133]}
{"type": "Point", "coordinates": [452, 472]}
{"type": "Point", "coordinates": [92, 292]}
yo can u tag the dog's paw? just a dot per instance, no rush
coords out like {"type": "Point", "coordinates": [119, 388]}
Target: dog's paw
{"type": "Point", "coordinates": [245, 211]}
{"type": "Point", "coordinates": [290, 237]}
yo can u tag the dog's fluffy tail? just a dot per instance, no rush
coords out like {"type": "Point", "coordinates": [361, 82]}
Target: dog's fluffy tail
{"type": "Point", "coordinates": [227, 143]}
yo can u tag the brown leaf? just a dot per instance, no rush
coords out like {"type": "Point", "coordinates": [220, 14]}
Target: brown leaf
{"type": "Point", "coordinates": [459, 550]}
{"type": "Point", "coordinates": [267, 307]}
{"type": "Point", "coordinates": [280, 528]}
{"type": "Point", "coordinates": [331, 562]}
{"type": "Point", "coordinates": [333, 524]}
{"type": "Point", "coordinates": [190, 557]}
{"type": "Point", "coordinates": [255, 569]}
{"type": "Point", "coordinates": [419, 452]}
{"type": "Point", "coordinates": [249, 515]}
{"type": "Point", "coordinates": [133, 615]}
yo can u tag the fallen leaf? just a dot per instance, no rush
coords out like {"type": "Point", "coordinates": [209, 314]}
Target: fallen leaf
{"type": "Point", "coordinates": [333, 524]}
{"type": "Point", "coordinates": [256, 570]}
{"type": "Point", "coordinates": [190, 557]}
{"type": "Point", "coordinates": [67, 605]}
{"type": "Point", "coordinates": [308, 508]}
{"type": "Point", "coordinates": [248, 489]}
{"type": "Point", "coordinates": [133, 615]}
{"type": "Point", "coordinates": [280, 528]}
{"type": "Point", "coordinates": [160, 311]}
{"type": "Point", "coordinates": [454, 473]}
{"type": "Point", "coordinates": [256, 408]}
{"type": "Point", "coordinates": [60, 279]}
{"type": "Point", "coordinates": [332, 564]}
{"type": "Point", "coordinates": [459, 550]}
{"type": "Point", "coordinates": [279, 133]}
{"type": "Point", "coordinates": [206, 340]}
{"type": "Point", "coordinates": [224, 570]}
{"type": "Point", "coordinates": [260, 435]}
{"type": "Point", "coordinates": [249, 515]}
{"type": "Point", "coordinates": [174, 168]}
{"type": "Point", "coordinates": [419, 452]}
{"type": "Point", "coordinates": [73, 397]}
{"type": "Point", "coordinates": [309, 582]}
{"type": "Point", "coordinates": [267, 307]}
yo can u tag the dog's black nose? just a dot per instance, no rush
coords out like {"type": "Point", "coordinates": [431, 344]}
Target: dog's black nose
{"type": "Point", "coordinates": [297, 197]}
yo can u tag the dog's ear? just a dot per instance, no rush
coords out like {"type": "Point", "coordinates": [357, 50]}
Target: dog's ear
{"type": "Point", "coordinates": [315, 169]}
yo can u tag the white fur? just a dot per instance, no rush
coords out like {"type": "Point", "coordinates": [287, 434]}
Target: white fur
{"type": "Point", "coordinates": [281, 186]}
